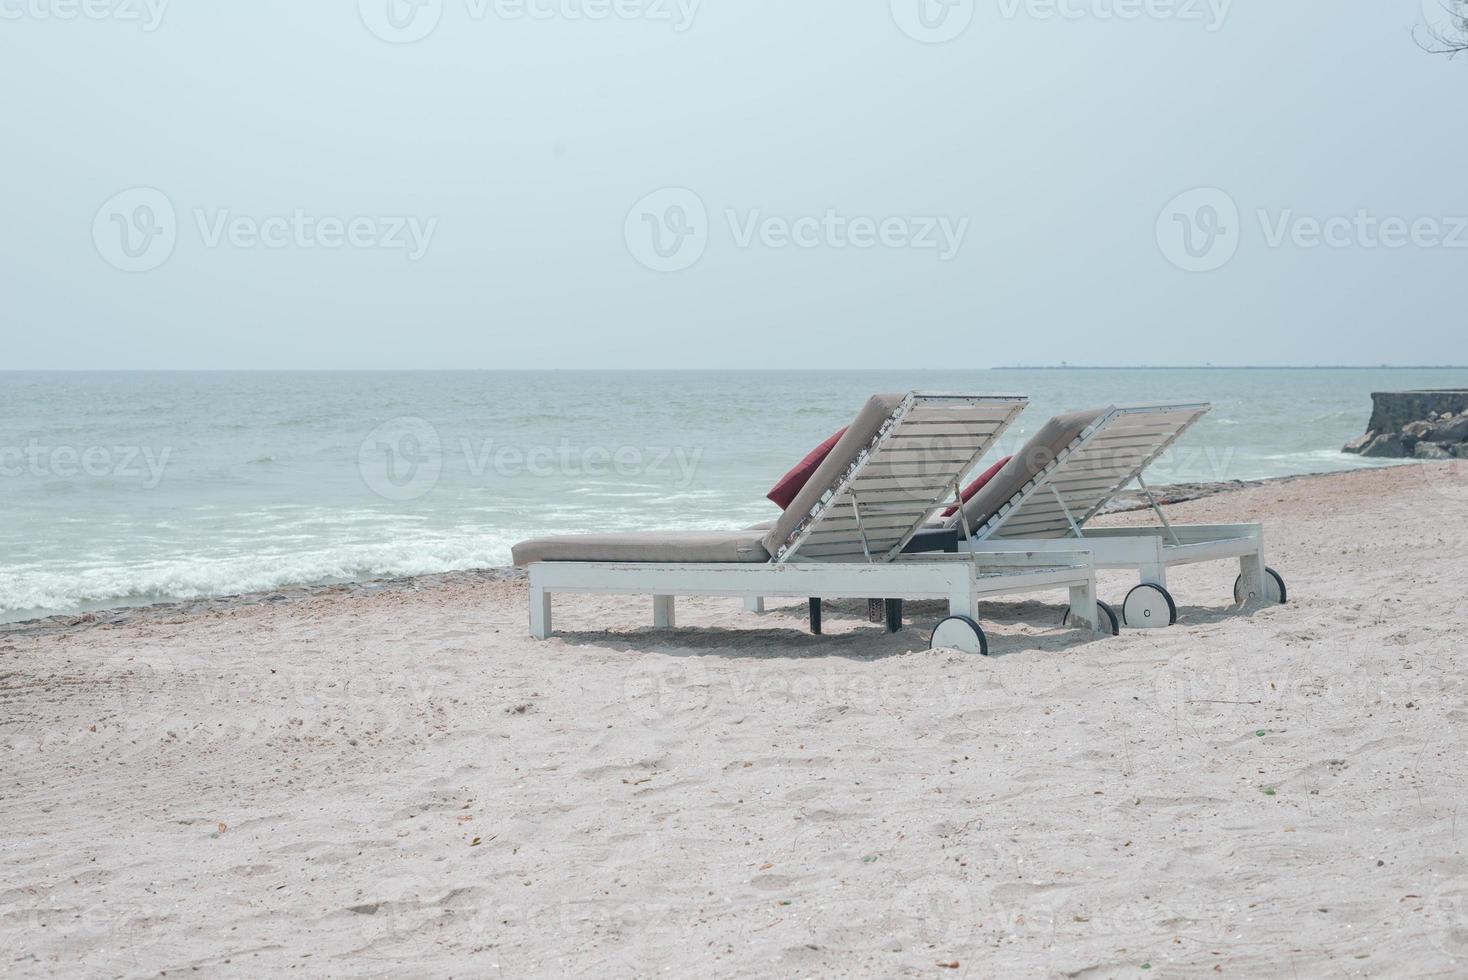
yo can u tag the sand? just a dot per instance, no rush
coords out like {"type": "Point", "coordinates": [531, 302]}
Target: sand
{"type": "Point", "coordinates": [402, 783]}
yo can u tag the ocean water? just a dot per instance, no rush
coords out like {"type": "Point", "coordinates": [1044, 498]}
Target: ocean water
{"type": "Point", "coordinates": [128, 488]}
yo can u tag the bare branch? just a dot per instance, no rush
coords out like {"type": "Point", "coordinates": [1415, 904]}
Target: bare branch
{"type": "Point", "coordinates": [1450, 39]}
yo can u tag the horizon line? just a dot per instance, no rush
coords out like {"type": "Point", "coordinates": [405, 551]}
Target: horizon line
{"type": "Point", "coordinates": [750, 370]}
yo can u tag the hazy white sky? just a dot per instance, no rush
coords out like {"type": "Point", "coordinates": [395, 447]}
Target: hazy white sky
{"type": "Point", "coordinates": [712, 183]}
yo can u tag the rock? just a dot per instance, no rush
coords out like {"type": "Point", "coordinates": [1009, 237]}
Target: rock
{"type": "Point", "coordinates": [1431, 450]}
{"type": "Point", "coordinates": [1461, 450]}
{"type": "Point", "coordinates": [1416, 431]}
{"type": "Point", "coordinates": [1386, 447]}
{"type": "Point", "coordinates": [1358, 445]}
{"type": "Point", "coordinates": [1451, 429]}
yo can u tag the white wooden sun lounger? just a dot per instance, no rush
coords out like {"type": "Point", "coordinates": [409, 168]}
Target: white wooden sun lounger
{"type": "Point", "coordinates": [1043, 499]}
{"type": "Point", "coordinates": [842, 537]}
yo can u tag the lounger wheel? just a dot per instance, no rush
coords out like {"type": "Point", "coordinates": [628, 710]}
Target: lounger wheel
{"type": "Point", "coordinates": [1148, 606]}
{"type": "Point", "coordinates": [959, 633]}
{"type": "Point", "coordinates": [1274, 589]}
{"type": "Point", "coordinates": [1105, 615]}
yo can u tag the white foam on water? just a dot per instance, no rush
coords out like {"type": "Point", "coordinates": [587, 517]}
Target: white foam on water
{"type": "Point", "coordinates": [39, 591]}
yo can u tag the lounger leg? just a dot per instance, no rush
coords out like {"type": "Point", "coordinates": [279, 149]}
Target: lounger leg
{"type": "Point", "coordinates": [1251, 567]}
{"type": "Point", "coordinates": [663, 617]}
{"type": "Point", "coordinates": [754, 604]}
{"type": "Point", "coordinates": [964, 604]}
{"type": "Point", "coordinates": [1083, 605]}
{"type": "Point", "coordinates": [1155, 574]}
{"type": "Point", "coordinates": [540, 613]}
{"type": "Point", "coordinates": [815, 616]}
{"type": "Point", "coordinates": [892, 610]}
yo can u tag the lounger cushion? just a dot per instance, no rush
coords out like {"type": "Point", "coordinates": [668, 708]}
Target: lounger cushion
{"type": "Point", "coordinates": [694, 547]}
{"type": "Point", "coordinates": [857, 438]}
{"type": "Point", "coordinates": [783, 492]}
{"type": "Point", "coordinates": [1023, 467]}
{"type": "Point", "coordinates": [981, 481]}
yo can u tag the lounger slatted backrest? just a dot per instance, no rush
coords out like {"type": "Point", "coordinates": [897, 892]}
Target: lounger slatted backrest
{"type": "Point", "coordinates": [897, 465]}
{"type": "Point", "coordinates": [1109, 453]}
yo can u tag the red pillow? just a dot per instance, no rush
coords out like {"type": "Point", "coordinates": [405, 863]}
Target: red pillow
{"type": "Point", "coordinates": [978, 484]}
{"type": "Point", "coordinates": [790, 485]}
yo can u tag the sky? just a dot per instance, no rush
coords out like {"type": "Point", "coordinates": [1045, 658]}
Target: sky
{"type": "Point", "coordinates": [421, 184]}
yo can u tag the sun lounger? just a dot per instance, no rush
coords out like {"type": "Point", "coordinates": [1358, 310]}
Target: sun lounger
{"type": "Point", "coordinates": [1045, 496]}
{"type": "Point", "coordinates": [843, 536]}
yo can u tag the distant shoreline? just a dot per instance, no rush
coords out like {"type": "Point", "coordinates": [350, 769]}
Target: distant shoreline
{"type": "Point", "coordinates": [1228, 367]}
{"type": "Point", "coordinates": [739, 370]}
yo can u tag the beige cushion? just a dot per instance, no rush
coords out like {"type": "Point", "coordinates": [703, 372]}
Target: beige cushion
{"type": "Point", "coordinates": [1037, 454]}
{"type": "Point", "coordinates": [697, 547]}
{"type": "Point", "coordinates": [858, 437]}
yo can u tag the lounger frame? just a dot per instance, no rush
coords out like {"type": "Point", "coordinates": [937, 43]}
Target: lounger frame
{"type": "Point", "coordinates": [1063, 497]}
{"type": "Point", "coordinates": [850, 544]}
{"type": "Point", "coordinates": [962, 580]}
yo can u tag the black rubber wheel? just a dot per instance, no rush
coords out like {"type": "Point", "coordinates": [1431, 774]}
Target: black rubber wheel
{"type": "Point", "coordinates": [1274, 588]}
{"type": "Point", "coordinates": [1105, 615]}
{"type": "Point", "coordinates": [1148, 606]}
{"type": "Point", "coordinates": [815, 617]}
{"type": "Point", "coordinates": [959, 633]}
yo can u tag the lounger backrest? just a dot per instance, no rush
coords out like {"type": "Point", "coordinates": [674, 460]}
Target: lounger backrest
{"type": "Point", "coordinates": [1037, 456]}
{"type": "Point", "coordinates": [898, 462]}
{"type": "Point", "coordinates": [1106, 453]}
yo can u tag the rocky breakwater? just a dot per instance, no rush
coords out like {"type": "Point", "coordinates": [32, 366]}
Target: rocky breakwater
{"type": "Point", "coordinates": [1416, 424]}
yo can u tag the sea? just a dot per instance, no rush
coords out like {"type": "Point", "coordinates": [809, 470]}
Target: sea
{"type": "Point", "coordinates": [132, 488]}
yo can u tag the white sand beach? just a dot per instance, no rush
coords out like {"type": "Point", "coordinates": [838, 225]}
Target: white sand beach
{"type": "Point", "coordinates": [405, 784]}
